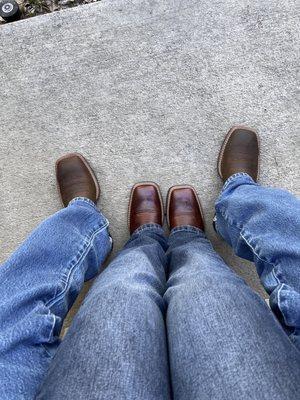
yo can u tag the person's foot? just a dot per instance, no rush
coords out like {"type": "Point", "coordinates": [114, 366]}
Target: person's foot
{"type": "Point", "coordinates": [239, 153]}
{"type": "Point", "coordinates": [75, 178]}
{"type": "Point", "coordinates": [184, 208]}
{"type": "Point", "coordinates": [145, 205]}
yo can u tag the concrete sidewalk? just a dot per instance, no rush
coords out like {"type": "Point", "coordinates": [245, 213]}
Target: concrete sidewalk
{"type": "Point", "coordinates": [146, 90]}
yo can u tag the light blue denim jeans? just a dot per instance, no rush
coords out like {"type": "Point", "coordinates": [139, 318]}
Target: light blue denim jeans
{"type": "Point", "coordinates": [167, 318]}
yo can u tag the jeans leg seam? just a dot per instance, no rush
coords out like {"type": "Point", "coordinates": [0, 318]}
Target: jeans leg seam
{"type": "Point", "coordinates": [58, 296]}
{"type": "Point", "coordinates": [50, 334]}
{"type": "Point", "coordinates": [274, 274]}
{"type": "Point", "coordinates": [278, 303]}
{"type": "Point", "coordinates": [236, 225]}
{"type": "Point", "coordinates": [255, 253]}
{"type": "Point", "coordinates": [53, 325]}
{"type": "Point", "coordinates": [281, 284]}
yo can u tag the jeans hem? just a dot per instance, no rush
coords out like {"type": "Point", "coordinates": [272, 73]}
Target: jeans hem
{"type": "Point", "coordinates": [84, 200]}
{"type": "Point", "coordinates": [235, 177]}
{"type": "Point", "coordinates": [187, 228]}
{"type": "Point", "coordinates": [148, 227]}
{"type": "Point", "coordinates": [245, 179]}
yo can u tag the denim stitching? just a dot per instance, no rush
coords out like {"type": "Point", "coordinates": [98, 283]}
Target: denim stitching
{"type": "Point", "coordinates": [239, 226]}
{"type": "Point", "coordinates": [86, 244]}
{"type": "Point", "coordinates": [57, 297]}
{"type": "Point", "coordinates": [150, 226]}
{"type": "Point", "coordinates": [53, 325]}
{"type": "Point", "coordinates": [84, 200]}
{"type": "Point", "coordinates": [249, 180]}
{"type": "Point", "coordinates": [273, 272]}
{"type": "Point", "coordinates": [235, 176]}
{"type": "Point", "coordinates": [236, 225]}
{"type": "Point", "coordinates": [254, 251]}
{"type": "Point", "coordinates": [278, 301]}
{"type": "Point", "coordinates": [50, 334]}
{"type": "Point", "coordinates": [191, 229]}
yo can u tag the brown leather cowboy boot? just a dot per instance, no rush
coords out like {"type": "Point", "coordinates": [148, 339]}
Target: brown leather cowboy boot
{"type": "Point", "coordinates": [75, 178]}
{"type": "Point", "coordinates": [145, 205]}
{"type": "Point", "coordinates": [184, 208]}
{"type": "Point", "coordinates": [239, 153]}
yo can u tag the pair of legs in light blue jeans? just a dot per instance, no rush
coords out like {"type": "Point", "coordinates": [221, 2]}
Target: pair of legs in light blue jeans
{"type": "Point", "coordinates": [167, 318]}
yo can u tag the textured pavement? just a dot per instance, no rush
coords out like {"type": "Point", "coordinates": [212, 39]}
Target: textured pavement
{"type": "Point", "coordinates": [146, 90]}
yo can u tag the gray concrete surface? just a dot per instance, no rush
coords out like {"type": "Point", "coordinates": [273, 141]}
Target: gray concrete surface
{"type": "Point", "coordinates": [146, 90]}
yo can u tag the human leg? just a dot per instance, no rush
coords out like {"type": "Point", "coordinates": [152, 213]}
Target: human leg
{"type": "Point", "coordinates": [40, 282]}
{"type": "Point", "coordinates": [116, 346]}
{"type": "Point", "coordinates": [224, 342]}
{"type": "Point", "coordinates": [262, 225]}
